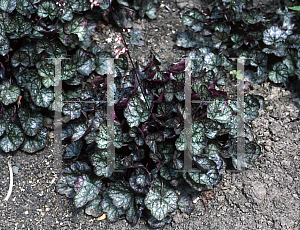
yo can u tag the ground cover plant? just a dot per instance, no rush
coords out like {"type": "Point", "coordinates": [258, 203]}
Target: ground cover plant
{"type": "Point", "coordinates": [149, 108]}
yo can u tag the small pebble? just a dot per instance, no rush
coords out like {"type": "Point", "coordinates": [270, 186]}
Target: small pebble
{"type": "Point", "coordinates": [15, 169]}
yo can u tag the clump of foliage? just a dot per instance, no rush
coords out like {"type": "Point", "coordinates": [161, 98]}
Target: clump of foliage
{"type": "Point", "coordinates": [236, 29]}
{"type": "Point", "coordinates": [149, 108]}
{"type": "Point", "coordinates": [31, 33]}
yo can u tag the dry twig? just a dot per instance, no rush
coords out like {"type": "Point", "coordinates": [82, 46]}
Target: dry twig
{"type": "Point", "coordinates": [11, 180]}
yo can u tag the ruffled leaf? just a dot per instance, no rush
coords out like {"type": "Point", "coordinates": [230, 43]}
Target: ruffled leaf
{"type": "Point", "coordinates": [73, 150]}
{"type": "Point", "coordinates": [274, 35]}
{"type": "Point", "coordinates": [219, 112]}
{"type": "Point", "coordinates": [12, 139]}
{"type": "Point", "coordinates": [31, 122]}
{"type": "Point", "coordinates": [161, 201]}
{"type": "Point", "coordinates": [35, 143]}
{"type": "Point", "coordinates": [279, 74]}
{"type": "Point", "coordinates": [85, 191]}
{"type": "Point", "coordinates": [9, 93]}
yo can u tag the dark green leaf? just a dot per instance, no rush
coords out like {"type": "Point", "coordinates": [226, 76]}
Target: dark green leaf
{"type": "Point", "coordinates": [12, 139]}
{"type": "Point", "coordinates": [90, 31]}
{"type": "Point", "coordinates": [238, 40]}
{"type": "Point", "coordinates": [66, 13]}
{"type": "Point", "coordinates": [47, 9]}
{"type": "Point", "coordinates": [113, 213]}
{"type": "Point", "coordinates": [2, 126]}
{"type": "Point", "coordinates": [295, 40]}
{"type": "Point", "coordinates": [186, 39]}
{"type": "Point", "coordinates": [122, 63]}
{"type": "Point", "coordinates": [21, 27]}
{"type": "Point", "coordinates": [197, 142]}
{"type": "Point", "coordinates": [75, 80]}
{"type": "Point", "coordinates": [252, 151]}
{"type": "Point", "coordinates": [279, 49]}
{"type": "Point", "coordinates": [137, 135]}
{"type": "Point", "coordinates": [101, 138]}
{"type": "Point", "coordinates": [53, 48]}
{"type": "Point", "coordinates": [169, 91]}
{"type": "Point", "coordinates": [36, 143]}
{"type": "Point", "coordinates": [252, 16]}
{"type": "Point", "coordinates": [69, 40]}
{"type": "Point", "coordinates": [80, 5]}
{"type": "Point", "coordinates": [290, 61]}
{"type": "Point", "coordinates": [167, 149]}
{"type": "Point", "coordinates": [4, 45]}
{"type": "Point", "coordinates": [261, 75]}
{"type": "Point", "coordinates": [133, 214]}
{"type": "Point", "coordinates": [20, 57]}
{"type": "Point", "coordinates": [258, 58]}
{"type": "Point", "coordinates": [63, 188]}
{"type": "Point", "coordinates": [93, 208]}
{"type": "Point", "coordinates": [193, 19]}
{"type": "Point", "coordinates": [68, 130]}
{"type": "Point", "coordinates": [212, 61]}
{"type": "Point", "coordinates": [121, 195]}
{"type": "Point", "coordinates": [77, 26]}
{"type": "Point", "coordinates": [211, 128]}
{"type": "Point", "coordinates": [104, 4]}
{"type": "Point", "coordinates": [99, 162]}
{"type": "Point", "coordinates": [41, 96]}
{"type": "Point", "coordinates": [8, 5]}
{"type": "Point", "coordinates": [137, 111]}
{"type": "Point", "coordinates": [152, 138]}
{"type": "Point", "coordinates": [31, 122]}
{"type": "Point", "coordinates": [274, 35]}
{"type": "Point", "coordinates": [46, 70]}
{"type": "Point", "coordinates": [102, 63]}
{"type": "Point", "coordinates": [149, 8]}
{"type": "Point", "coordinates": [203, 163]}
{"type": "Point", "coordinates": [68, 69]}
{"type": "Point", "coordinates": [85, 63]}
{"type": "Point", "coordinates": [192, 183]}
{"type": "Point", "coordinates": [154, 223]}
{"type": "Point", "coordinates": [213, 152]}
{"type": "Point", "coordinates": [218, 38]}
{"type": "Point", "coordinates": [251, 108]}
{"type": "Point", "coordinates": [161, 201]}
{"type": "Point", "coordinates": [219, 112]}
{"type": "Point", "coordinates": [209, 178]}
{"type": "Point", "coordinates": [10, 114]}
{"type": "Point", "coordinates": [279, 73]}
{"type": "Point", "coordinates": [73, 149]}
{"type": "Point", "coordinates": [168, 172]}
{"type": "Point", "coordinates": [85, 191]}
{"type": "Point", "coordinates": [140, 181]}
{"type": "Point", "coordinates": [66, 180]}
{"type": "Point", "coordinates": [80, 130]}
{"type": "Point", "coordinates": [9, 93]}
{"type": "Point", "coordinates": [72, 109]}
{"type": "Point", "coordinates": [90, 137]}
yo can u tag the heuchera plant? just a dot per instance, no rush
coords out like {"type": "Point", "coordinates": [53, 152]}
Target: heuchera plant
{"type": "Point", "coordinates": [149, 108]}
{"type": "Point", "coordinates": [236, 29]}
